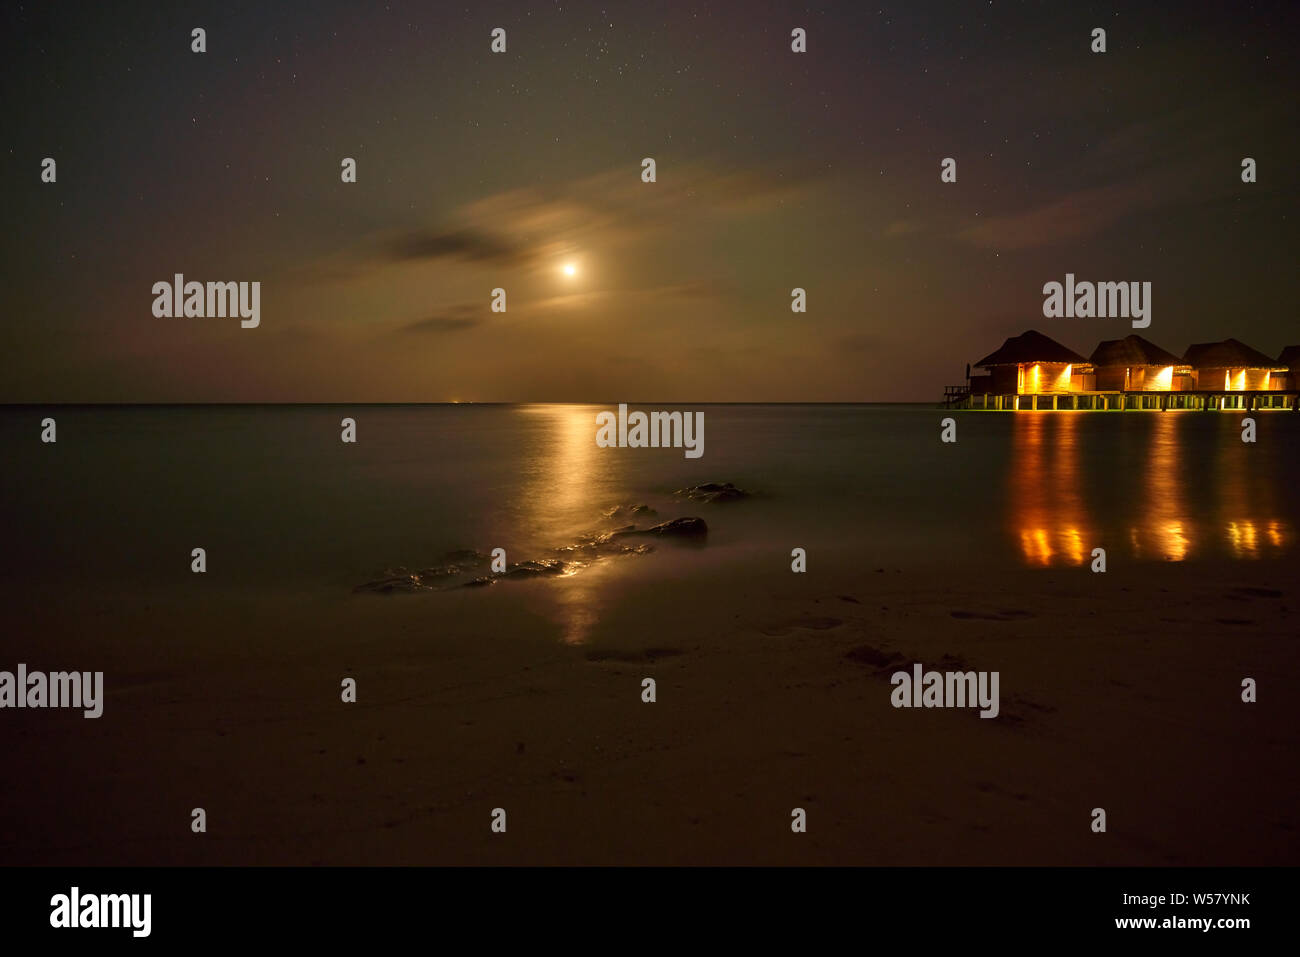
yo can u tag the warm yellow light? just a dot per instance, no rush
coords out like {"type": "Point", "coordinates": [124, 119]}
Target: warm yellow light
{"type": "Point", "coordinates": [1072, 544]}
{"type": "Point", "coordinates": [1175, 541]}
{"type": "Point", "coordinates": [570, 269]}
{"type": "Point", "coordinates": [1036, 546]}
{"type": "Point", "coordinates": [1242, 537]}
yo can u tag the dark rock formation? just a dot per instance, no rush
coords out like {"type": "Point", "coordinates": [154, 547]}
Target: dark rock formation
{"type": "Point", "coordinates": [626, 511]}
{"type": "Point", "coordinates": [685, 529]}
{"type": "Point", "coordinates": [713, 492]}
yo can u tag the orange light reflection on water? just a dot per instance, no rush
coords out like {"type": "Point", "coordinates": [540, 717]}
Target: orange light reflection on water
{"type": "Point", "coordinates": [562, 468]}
{"type": "Point", "coordinates": [1047, 510]}
{"type": "Point", "coordinates": [1049, 518]}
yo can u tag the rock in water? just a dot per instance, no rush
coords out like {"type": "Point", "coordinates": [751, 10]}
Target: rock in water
{"type": "Point", "coordinates": [621, 511]}
{"type": "Point", "coordinates": [531, 569]}
{"type": "Point", "coordinates": [390, 586]}
{"type": "Point", "coordinates": [712, 492]}
{"type": "Point", "coordinates": [684, 529]}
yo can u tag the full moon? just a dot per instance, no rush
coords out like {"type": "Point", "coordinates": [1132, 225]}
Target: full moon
{"type": "Point", "coordinates": [570, 269]}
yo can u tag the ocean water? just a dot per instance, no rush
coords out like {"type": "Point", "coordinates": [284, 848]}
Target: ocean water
{"type": "Point", "coordinates": [277, 500]}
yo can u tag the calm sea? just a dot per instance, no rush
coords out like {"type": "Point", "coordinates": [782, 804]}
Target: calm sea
{"type": "Point", "coordinates": [277, 499]}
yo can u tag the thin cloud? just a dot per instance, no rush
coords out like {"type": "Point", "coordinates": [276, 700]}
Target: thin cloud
{"type": "Point", "coordinates": [468, 244]}
{"type": "Point", "coordinates": [1076, 215]}
{"type": "Point", "coordinates": [608, 210]}
{"type": "Point", "coordinates": [456, 319]}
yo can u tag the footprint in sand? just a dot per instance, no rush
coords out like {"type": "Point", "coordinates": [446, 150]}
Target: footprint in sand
{"type": "Point", "coordinates": [1006, 614]}
{"type": "Point", "coordinates": [1250, 592]}
{"type": "Point", "coordinates": [815, 624]}
{"type": "Point", "coordinates": [987, 787]}
{"type": "Point", "coordinates": [875, 657]}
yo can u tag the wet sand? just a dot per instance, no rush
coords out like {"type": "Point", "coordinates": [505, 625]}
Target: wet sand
{"type": "Point", "coordinates": [1119, 691]}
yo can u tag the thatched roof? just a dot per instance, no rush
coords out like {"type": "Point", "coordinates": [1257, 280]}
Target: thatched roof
{"type": "Point", "coordinates": [1290, 357]}
{"type": "Point", "coordinates": [1131, 351]}
{"type": "Point", "coordinates": [1228, 354]}
{"type": "Point", "coordinates": [1030, 347]}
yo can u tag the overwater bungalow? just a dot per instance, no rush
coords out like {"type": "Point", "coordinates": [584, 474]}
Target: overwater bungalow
{"type": "Point", "coordinates": [1031, 371]}
{"type": "Point", "coordinates": [1032, 364]}
{"type": "Point", "coordinates": [1230, 366]}
{"type": "Point", "coordinates": [1289, 357]}
{"type": "Point", "coordinates": [1134, 364]}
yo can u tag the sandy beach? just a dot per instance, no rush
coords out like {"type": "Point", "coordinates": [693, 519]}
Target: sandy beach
{"type": "Point", "coordinates": [1119, 691]}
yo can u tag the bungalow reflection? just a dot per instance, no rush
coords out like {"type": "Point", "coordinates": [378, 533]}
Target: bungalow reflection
{"type": "Point", "coordinates": [1164, 530]}
{"type": "Point", "coordinates": [1162, 509]}
{"type": "Point", "coordinates": [1047, 511]}
{"type": "Point", "coordinates": [1247, 509]}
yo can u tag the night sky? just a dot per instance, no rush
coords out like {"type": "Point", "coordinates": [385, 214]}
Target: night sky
{"type": "Point", "coordinates": [775, 170]}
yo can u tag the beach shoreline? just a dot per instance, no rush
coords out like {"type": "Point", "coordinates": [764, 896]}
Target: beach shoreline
{"type": "Point", "coordinates": [1119, 690]}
